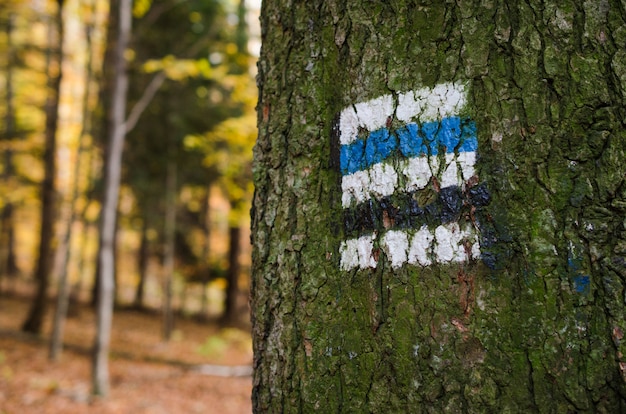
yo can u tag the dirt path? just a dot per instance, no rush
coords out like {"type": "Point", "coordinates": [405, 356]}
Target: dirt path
{"type": "Point", "coordinates": [147, 375]}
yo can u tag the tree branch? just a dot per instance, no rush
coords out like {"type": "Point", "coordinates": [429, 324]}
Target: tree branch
{"type": "Point", "coordinates": [144, 101]}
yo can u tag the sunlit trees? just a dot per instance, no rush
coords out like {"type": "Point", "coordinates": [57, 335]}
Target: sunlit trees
{"type": "Point", "coordinates": [209, 72]}
{"type": "Point", "coordinates": [166, 73]}
{"type": "Point", "coordinates": [176, 147]}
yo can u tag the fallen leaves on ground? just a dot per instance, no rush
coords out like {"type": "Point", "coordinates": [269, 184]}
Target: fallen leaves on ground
{"type": "Point", "coordinates": [147, 374]}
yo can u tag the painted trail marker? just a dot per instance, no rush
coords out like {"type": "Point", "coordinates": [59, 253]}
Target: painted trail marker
{"type": "Point", "coordinates": [404, 188]}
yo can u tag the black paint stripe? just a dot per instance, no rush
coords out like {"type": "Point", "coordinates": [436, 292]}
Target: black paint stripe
{"type": "Point", "coordinates": [401, 211]}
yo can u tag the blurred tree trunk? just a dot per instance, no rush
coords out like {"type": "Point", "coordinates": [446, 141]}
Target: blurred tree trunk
{"type": "Point", "coordinates": [8, 262]}
{"type": "Point", "coordinates": [63, 290]}
{"type": "Point", "coordinates": [170, 245]}
{"type": "Point", "coordinates": [366, 294]}
{"type": "Point", "coordinates": [231, 311]}
{"type": "Point", "coordinates": [112, 174]}
{"type": "Point", "coordinates": [103, 118]}
{"type": "Point", "coordinates": [142, 265]}
{"type": "Point", "coordinates": [34, 321]}
{"type": "Point", "coordinates": [206, 251]}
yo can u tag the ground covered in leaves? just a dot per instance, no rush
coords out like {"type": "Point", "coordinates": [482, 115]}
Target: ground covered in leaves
{"type": "Point", "coordinates": [148, 375]}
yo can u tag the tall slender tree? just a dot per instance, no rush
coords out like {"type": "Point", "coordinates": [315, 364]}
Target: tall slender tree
{"type": "Point", "coordinates": [438, 221]}
{"type": "Point", "coordinates": [112, 177]}
{"type": "Point", "coordinates": [34, 321]}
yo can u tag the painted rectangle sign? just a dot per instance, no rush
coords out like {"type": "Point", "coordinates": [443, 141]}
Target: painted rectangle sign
{"type": "Point", "coordinates": [404, 187]}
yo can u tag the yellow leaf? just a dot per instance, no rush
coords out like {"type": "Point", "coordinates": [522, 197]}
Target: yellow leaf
{"type": "Point", "coordinates": [141, 7]}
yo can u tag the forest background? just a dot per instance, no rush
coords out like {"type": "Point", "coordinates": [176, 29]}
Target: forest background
{"type": "Point", "coordinates": [181, 241]}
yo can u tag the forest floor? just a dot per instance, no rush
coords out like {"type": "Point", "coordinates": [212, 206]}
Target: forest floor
{"type": "Point", "coordinates": [147, 374]}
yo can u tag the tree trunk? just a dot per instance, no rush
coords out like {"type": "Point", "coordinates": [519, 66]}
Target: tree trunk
{"type": "Point", "coordinates": [170, 248]}
{"type": "Point", "coordinates": [34, 321]}
{"type": "Point", "coordinates": [8, 262]}
{"type": "Point", "coordinates": [206, 252]}
{"type": "Point", "coordinates": [231, 311]}
{"type": "Point", "coordinates": [142, 265]}
{"type": "Point", "coordinates": [63, 291]}
{"type": "Point", "coordinates": [438, 222]}
{"type": "Point", "coordinates": [108, 221]}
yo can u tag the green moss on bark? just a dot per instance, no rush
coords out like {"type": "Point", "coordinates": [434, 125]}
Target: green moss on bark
{"type": "Point", "coordinates": [539, 331]}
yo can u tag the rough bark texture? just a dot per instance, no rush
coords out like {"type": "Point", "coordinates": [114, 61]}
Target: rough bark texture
{"type": "Point", "coordinates": [536, 324]}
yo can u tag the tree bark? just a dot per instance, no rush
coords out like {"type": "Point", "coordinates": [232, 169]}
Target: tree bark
{"type": "Point", "coordinates": [108, 221]}
{"type": "Point", "coordinates": [34, 321]}
{"type": "Point", "coordinates": [438, 220]}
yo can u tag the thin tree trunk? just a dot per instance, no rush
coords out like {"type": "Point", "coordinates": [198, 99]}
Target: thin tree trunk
{"type": "Point", "coordinates": [142, 264]}
{"type": "Point", "coordinates": [82, 263]}
{"type": "Point", "coordinates": [104, 117]}
{"type": "Point", "coordinates": [109, 206]}
{"type": "Point", "coordinates": [170, 240]}
{"type": "Point", "coordinates": [63, 290]}
{"type": "Point", "coordinates": [34, 321]}
{"type": "Point", "coordinates": [206, 251]}
{"type": "Point", "coordinates": [231, 314]}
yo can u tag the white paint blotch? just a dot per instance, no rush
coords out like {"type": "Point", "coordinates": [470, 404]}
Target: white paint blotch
{"type": "Point", "coordinates": [358, 253]}
{"type": "Point", "coordinates": [348, 126]}
{"type": "Point", "coordinates": [428, 104]}
{"type": "Point", "coordinates": [448, 246]}
{"type": "Point", "coordinates": [396, 246]}
{"type": "Point", "coordinates": [450, 175]}
{"type": "Point", "coordinates": [421, 247]}
{"type": "Point", "coordinates": [373, 114]}
{"type": "Point", "coordinates": [383, 180]}
{"type": "Point", "coordinates": [416, 172]}
{"type": "Point", "coordinates": [466, 161]}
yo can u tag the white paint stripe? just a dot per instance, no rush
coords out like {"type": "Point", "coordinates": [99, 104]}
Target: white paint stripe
{"type": "Point", "coordinates": [446, 244]}
{"type": "Point", "coordinates": [396, 246]}
{"type": "Point", "coordinates": [418, 171]}
{"type": "Point", "coordinates": [449, 245]}
{"type": "Point", "coordinates": [425, 104]}
{"type": "Point", "coordinates": [383, 179]}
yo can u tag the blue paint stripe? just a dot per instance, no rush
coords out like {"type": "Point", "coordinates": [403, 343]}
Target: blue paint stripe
{"type": "Point", "coordinates": [412, 140]}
